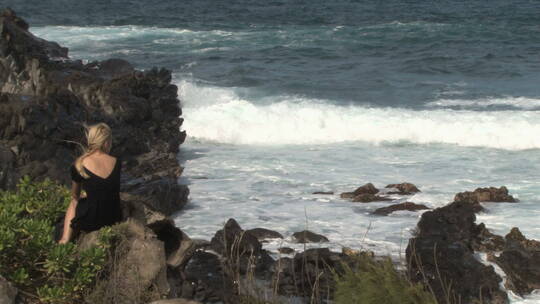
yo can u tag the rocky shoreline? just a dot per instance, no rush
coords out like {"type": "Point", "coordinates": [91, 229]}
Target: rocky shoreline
{"type": "Point", "coordinates": [45, 98]}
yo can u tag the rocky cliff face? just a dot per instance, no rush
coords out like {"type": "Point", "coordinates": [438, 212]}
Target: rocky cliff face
{"type": "Point", "coordinates": [45, 98]}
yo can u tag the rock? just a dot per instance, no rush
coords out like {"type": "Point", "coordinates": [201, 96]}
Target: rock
{"type": "Point", "coordinates": [242, 249]}
{"type": "Point", "coordinates": [520, 261]}
{"type": "Point", "coordinates": [368, 198]}
{"type": "Point", "coordinates": [442, 251]}
{"type": "Point", "coordinates": [324, 192]}
{"type": "Point", "coordinates": [307, 236]}
{"type": "Point", "coordinates": [205, 279]}
{"type": "Point", "coordinates": [8, 293]}
{"type": "Point", "coordinates": [365, 189]}
{"type": "Point", "coordinates": [403, 188]}
{"type": "Point", "coordinates": [286, 250]}
{"type": "Point", "coordinates": [490, 194]}
{"type": "Point", "coordinates": [176, 301]}
{"type": "Point", "coordinates": [296, 277]}
{"type": "Point", "coordinates": [263, 234]}
{"type": "Point", "coordinates": [44, 97]}
{"type": "Point", "coordinates": [8, 176]}
{"type": "Point", "coordinates": [470, 200]}
{"type": "Point", "coordinates": [397, 207]}
{"type": "Point", "coordinates": [139, 265]}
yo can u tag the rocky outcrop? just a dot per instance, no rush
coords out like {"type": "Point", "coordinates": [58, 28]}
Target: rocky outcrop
{"type": "Point", "coordinates": [242, 250]}
{"type": "Point", "coordinates": [309, 273]}
{"type": "Point", "coordinates": [520, 260]}
{"type": "Point", "coordinates": [403, 188]}
{"type": "Point", "coordinates": [8, 293]}
{"type": "Point", "coordinates": [45, 98]}
{"type": "Point", "coordinates": [490, 194]}
{"type": "Point", "coordinates": [176, 301]}
{"type": "Point", "coordinates": [408, 206]}
{"type": "Point", "coordinates": [307, 236]}
{"type": "Point", "coordinates": [365, 189]}
{"type": "Point", "coordinates": [263, 234]}
{"type": "Point", "coordinates": [441, 255]}
{"type": "Point", "coordinates": [139, 268]}
{"type": "Point", "coordinates": [369, 193]}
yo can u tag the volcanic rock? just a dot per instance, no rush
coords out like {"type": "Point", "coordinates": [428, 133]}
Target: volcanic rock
{"type": "Point", "coordinates": [520, 260]}
{"type": "Point", "coordinates": [403, 188]}
{"type": "Point", "coordinates": [490, 194]}
{"type": "Point", "coordinates": [442, 251]}
{"type": "Point", "coordinates": [365, 189]}
{"type": "Point", "coordinates": [398, 207]}
{"type": "Point", "coordinates": [368, 198]}
{"type": "Point", "coordinates": [307, 236]}
{"type": "Point", "coordinates": [237, 245]}
{"type": "Point", "coordinates": [263, 234]}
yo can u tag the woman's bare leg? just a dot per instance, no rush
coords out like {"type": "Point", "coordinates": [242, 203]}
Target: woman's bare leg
{"type": "Point", "coordinates": [68, 231]}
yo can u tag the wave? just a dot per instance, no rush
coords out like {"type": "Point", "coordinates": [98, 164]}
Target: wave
{"type": "Point", "coordinates": [221, 115]}
{"type": "Point", "coordinates": [515, 102]}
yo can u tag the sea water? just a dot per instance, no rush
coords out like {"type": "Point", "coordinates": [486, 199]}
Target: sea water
{"type": "Point", "coordinates": [285, 98]}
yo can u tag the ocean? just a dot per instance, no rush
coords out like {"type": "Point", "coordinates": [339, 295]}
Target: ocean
{"type": "Point", "coordinates": [285, 98]}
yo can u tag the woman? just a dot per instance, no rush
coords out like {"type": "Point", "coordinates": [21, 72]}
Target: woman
{"type": "Point", "coordinates": [98, 174]}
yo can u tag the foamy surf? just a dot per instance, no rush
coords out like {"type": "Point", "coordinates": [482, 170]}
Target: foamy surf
{"type": "Point", "coordinates": [221, 115]}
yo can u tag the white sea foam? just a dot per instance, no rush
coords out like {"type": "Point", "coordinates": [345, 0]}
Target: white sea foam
{"type": "Point", "coordinates": [515, 102]}
{"type": "Point", "coordinates": [221, 115]}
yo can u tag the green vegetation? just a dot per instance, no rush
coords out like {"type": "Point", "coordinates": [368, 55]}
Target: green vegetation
{"type": "Point", "coordinates": [29, 257]}
{"type": "Point", "coordinates": [373, 282]}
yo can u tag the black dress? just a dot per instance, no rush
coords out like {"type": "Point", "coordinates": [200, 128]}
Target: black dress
{"type": "Point", "coordinates": [101, 206]}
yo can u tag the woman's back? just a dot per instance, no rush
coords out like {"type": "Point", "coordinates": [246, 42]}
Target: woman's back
{"type": "Point", "coordinates": [101, 206]}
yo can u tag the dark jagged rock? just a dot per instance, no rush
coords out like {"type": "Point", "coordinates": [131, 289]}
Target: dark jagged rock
{"type": "Point", "coordinates": [45, 97]}
{"type": "Point", "coordinates": [239, 246]}
{"type": "Point", "coordinates": [368, 198]}
{"type": "Point", "coordinates": [403, 188]}
{"type": "Point", "coordinates": [365, 189]}
{"type": "Point", "coordinates": [307, 236]}
{"type": "Point", "coordinates": [398, 207]}
{"type": "Point", "coordinates": [204, 279]}
{"type": "Point", "coordinates": [520, 260]}
{"type": "Point", "coordinates": [263, 234]}
{"type": "Point", "coordinates": [442, 251]}
{"type": "Point", "coordinates": [299, 275]}
{"type": "Point", "coordinates": [470, 200]}
{"type": "Point", "coordinates": [490, 194]}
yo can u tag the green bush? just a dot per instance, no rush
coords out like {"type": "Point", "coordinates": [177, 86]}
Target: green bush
{"type": "Point", "coordinates": [373, 282]}
{"type": "Point", "coordinates": [29, 257]}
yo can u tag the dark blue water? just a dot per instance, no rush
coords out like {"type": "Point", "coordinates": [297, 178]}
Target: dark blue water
{"type": "Point", "coordinates": [379, 53]}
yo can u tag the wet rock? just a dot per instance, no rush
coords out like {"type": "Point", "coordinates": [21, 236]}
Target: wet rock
{"type": "Point", "coordinates": [365, 189]}
{"type": "Point", "coordinates": [398, 207]}
{"type": "Point", "coordinates": [403, 188]}
{"type": "Point", "coordinates": [368, 198]}
{"type": "Point", "coordinates": [286, 250]}
{"type": "Point", "coordinates": [471, 201]}
{"type": "Point", "coordinates": [307, 236]}
{"type": "Point", "coordinates": [8, 293]}
{"type": "Point", "coordinates": [324, 192]}
{"type": "Point", "coordinates": [490, 194]}
{"type": "Point", "coordinates": [263, 234]}
{"type": "Point", "coordinates": [520, 260]}
{"type": "Point", "coordinates": [442, 251]}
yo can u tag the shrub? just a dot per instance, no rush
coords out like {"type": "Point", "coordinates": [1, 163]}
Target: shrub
{"type": "Point", "coordinates": [29, 256]}
{"type": "Point", "coordinates": [372, 282]}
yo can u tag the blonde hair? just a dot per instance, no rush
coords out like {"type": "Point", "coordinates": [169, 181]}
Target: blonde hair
{"type": "Point", "coordinates": [98, 137]}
